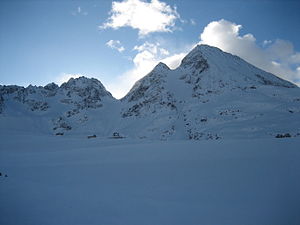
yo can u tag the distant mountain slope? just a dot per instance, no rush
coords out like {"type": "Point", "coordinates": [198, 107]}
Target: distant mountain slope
{"type": "Point", "coordinates": [211, 95]}
{"type": "Point", "coordinates": [53, 109]}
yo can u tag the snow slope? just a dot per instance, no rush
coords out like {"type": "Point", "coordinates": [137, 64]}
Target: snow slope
{"type": "Point", "coordinates": [73, 180]}
{"type": "Point", "coordinates": [80, 105]}
{"type": "Point", "coordinates": [211, 95]}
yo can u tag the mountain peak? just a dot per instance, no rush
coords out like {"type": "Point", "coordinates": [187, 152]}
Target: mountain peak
{"type": "Point", "coordinates": [84, 84]}
{"type": "Point", "coordinates": [51, 86]}
{"type": "Point", "coordinates": [161, 67]}
{"type": "Point", "coordinates": [195, 59]}
{"type": "Point", "coordinates": [224, 67]}
{"type": "Point", "coordinates": [203, 50]}
{"type": "Point", "coordinates": [81, 81]}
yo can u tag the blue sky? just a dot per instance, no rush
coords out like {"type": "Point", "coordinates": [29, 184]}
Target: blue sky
{"type": "Point", "coordinates": [42, 41]}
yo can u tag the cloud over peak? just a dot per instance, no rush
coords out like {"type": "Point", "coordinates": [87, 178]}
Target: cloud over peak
{"type": "Point", "coordinates": [154, 16]}
{"type": "Point", "coordinates": [277, 57]}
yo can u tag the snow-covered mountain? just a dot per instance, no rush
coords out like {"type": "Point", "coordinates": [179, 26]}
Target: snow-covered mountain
{"type": "Point", "coordinates": [211, 95]}
{"type": "Point", "coordinates": [74, 107]}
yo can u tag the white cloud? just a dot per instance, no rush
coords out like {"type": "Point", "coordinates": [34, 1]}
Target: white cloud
{"type": "Point", "coordinates": [64, 77]}
{"type": "Point", "coordinates": [277, 57]}
{"type": "Point", "coordinates": [266, 42]}
{"type": "Point", "coordinates": [174, 61]}
{"type": "Point", "coordinates": [115, 44]}
{"type": "Point", "coordinates": [154, 16]}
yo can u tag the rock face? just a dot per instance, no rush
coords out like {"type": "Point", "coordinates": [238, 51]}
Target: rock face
{"type": "Point", "coordinates": [211, 95]}
{"type": "Point", "coordinates": [60, 108]}
{"type": "Point", "coordinates": [149, 94]}
{"type": "Point", "coordinates": [87, 92]}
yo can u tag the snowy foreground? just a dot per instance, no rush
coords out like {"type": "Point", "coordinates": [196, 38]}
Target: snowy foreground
{"type": "Point", "coordinates": [78, 181]}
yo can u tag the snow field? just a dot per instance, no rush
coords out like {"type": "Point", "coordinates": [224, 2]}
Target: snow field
{"type": "Point", "coordinates": [73, 180]}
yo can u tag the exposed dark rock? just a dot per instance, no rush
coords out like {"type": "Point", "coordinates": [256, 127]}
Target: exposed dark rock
{"type": "Point", "coordinates": [286, 135]}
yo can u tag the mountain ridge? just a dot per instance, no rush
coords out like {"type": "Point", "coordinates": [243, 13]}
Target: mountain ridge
{"type": "Point", "coordinates": [204, 98]}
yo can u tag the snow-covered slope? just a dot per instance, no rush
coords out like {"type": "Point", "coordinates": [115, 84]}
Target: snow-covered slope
{"type": "Point", "coordinates": [79, 105]}
{"type": "Point", "coordinates": [75, 181]}
{"type": "Point", "coordinates": [211, 95]}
